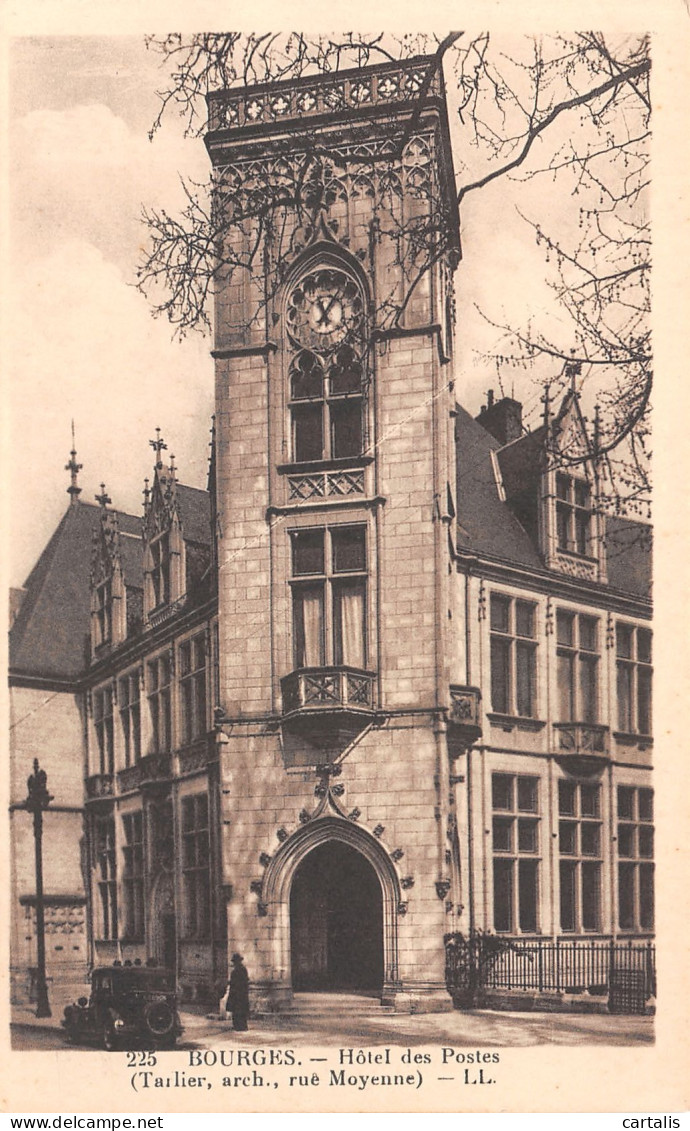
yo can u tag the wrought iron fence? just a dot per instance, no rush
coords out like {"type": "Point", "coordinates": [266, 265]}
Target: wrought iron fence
{"type": "Point", "coordinates": [626, 971]}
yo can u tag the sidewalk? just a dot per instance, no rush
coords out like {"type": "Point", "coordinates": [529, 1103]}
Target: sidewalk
{"type": "Point", "coordinates": [482, 1028]}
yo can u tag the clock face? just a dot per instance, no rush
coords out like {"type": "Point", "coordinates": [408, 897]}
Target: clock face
{"type": "Point", "coordinates": [323, 309]}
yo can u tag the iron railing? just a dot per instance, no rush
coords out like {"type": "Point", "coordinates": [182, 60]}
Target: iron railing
{"type": "Point", "coordinates": [492, 962]}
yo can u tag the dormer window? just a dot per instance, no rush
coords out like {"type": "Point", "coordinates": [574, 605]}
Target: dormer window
{"type": "Point", "coordinates": [104, 612]}
{"type": "Point", "coordinates": [160, 570]}
{"type": "Point", "coordinates": [573, 514]}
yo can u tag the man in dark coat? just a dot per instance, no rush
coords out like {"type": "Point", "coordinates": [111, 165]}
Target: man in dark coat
{"type": "Point", "coordinates": [238, 995]}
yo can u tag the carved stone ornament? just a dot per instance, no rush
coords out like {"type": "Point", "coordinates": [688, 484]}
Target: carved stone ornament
{"type": "Point", "coordinates": [264, 859]}
{"type": "Point", "coordinates": [379, 830]}
{"type": "Point", "coordinates": [282, 835]}
{"type": "Point", "coordinates": [397, 854]}
{"type": "Point", "coordinates": [442, 888]}
{"type": "Point", "coordinates": [402, 907]}
{"type": "Point", "coordinates": [256, 887]}
{"type": "Point", "coordinates": [354, 815]}
{"type": "Point", "coordinates": [407, 882]}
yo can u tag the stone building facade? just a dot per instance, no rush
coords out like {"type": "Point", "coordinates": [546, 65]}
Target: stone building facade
{"type": "Point", "coordinates": [389, 679]}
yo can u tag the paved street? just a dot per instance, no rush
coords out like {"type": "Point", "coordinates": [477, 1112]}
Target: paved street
{"type": "Point", "coordinates": [478, 1028]}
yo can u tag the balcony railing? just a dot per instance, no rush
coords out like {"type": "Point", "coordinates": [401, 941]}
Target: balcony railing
{"type": "Point", "coordinates": [328, 688]}
{"type": "Point", "coordinates": [323, 94]}
{"type": "Point", "coordinates": [582, 740]}
{"type": "Point", "coordinates": [154, 769]}
{"type": "Point", "coordinates": [99, 786]}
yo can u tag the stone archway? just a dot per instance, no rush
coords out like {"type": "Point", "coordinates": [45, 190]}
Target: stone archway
{"type": "Point", "coordinates": [336, 921]}
{"type": "Point", "coordinates": [359, 854]}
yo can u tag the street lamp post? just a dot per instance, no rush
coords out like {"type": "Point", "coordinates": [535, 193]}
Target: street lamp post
{"type": "Point", "coordinates": [38, 800]}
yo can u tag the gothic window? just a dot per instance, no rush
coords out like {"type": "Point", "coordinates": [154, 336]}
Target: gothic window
{"type": "Point", "coordinates": [573, 514]}
{"type": "Point", "coordinates": [329, 586]}
{"type": "Point", "coordinates": [635, 858]}
{"type": "Point", "coordinates": [103, 726]}
{"type": "Point", "coordinates": [104, 611]}
{"type": "Point", "coordinates": [634, 678]}
{"type": "Point", "coordinates": [325, 313]}
{"type": "Point", "coordinates": [159, 675]}
{"type": "Point", "coordinates": [104, 855]}
{"type": "Point", "coordinates": [160, 569]}
{"type": "Point", "coordinates": [130, 717]}
{"type": "Point", "coordinates": [577, 658]}
{"type": "Point", "coordinates": [133, 875]}
{"type": "Point", "coordinates": [515, 800]}
{"type": "Point", "coordinates": [513, 656]}
{"type": "Point", "coordinates": [196, 866]}
{"type": "Point", "coordinates": [580, 848]}
{"type": "Point", "coordinates": [192, 668]}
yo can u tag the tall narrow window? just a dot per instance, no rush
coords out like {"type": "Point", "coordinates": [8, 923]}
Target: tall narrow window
{"type": "Point", "coordinates": [160, 705]}
{"type": "Point", "coordinates": [580, 848]}
{"type": "Point", "coordinates": [329, 597]}
{"type": "Point", "coordinates": [325, 312]}
{"type": "Point", "coordinates": [577, 638]}
{"type": "Point", "coordinates": [130, 717]}
{"type": "Point", "coordinates": [133, 875]}
{"type": "Point", "coordinates": [196, 866]}
{"type": "Point", "coordinates": [635, 837]}
{"type": "Point", "coordinates": [515, 800]}
{"type": "Point", "coordinates": [160, 569]}
{"type": "Point", "coordinates": [634, 678]}
{"type": "Point", "coordinates": [103, 725]}
{"type": "Point", "coordinates": [513, 656]}
{"type": "Point", "coordinates": [106, 877]}
{"type": "Point", "coordinates": [192, 667]}
{"type": "Point", "coordinates": [104, 611]}
{"type": "Point", "coordinates": [573, 515]}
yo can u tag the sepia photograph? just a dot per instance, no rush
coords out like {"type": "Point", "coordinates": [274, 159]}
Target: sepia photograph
{"type": "Point", "coordinates": [329, 383]}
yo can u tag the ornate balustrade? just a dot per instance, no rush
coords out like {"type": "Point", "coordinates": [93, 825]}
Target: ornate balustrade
{"type": "Point", "coordinates": [324, 94]}
{"type": "Point", "coordinates": [326, 484]}
{"type": "Point", "coordinates": [586, 742]}
{"type": "Point", "coordinates": [99, 786]}
{"type": "Point", "coordinates": [154, 769]}
{"type": "Point", "coordinates": [328, 702]}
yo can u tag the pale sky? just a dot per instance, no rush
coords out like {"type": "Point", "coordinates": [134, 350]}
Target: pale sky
{"type": "Point", "coordinates": [82, 343]}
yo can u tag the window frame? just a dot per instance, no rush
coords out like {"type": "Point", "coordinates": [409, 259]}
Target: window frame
{"type": "Point", "coordinates": [630, 717]}
{"type": "Point", "coordinates": [104, 727]}
{"type": "Point", "coordinates": [132, 878]}
{"type": "Point", "coordinates": [330, 583]}
{"type": "Point", "coordinates": [634, 861]}
{"type": "Point", "coordinates": [159, 702]}
{"type": "Point", "coordinates": [508, 860]}
{"type": "Point", "coordinates": [581, 862]}
{"type": "Point", "coordinates": [580, 659]}
{"type": "Point", "coordinates": [105, 867]}
{"type": "Point", "coordinates": [572, 516]}
{"type": "Point", "coordinates": [513, 644]}
{"type": "Point", "coordinates": [195, 840]}
{"type": "Point", "coordinates": [161, 570]}
{"type": "Point", "coordinates": [192, 669]}
{"type": "Point", "coordinates": [129, 706]}
{"type": "Point", "coordinates": [104, 611]}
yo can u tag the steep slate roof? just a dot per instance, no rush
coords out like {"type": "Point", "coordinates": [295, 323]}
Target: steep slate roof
{"type": "Point", "coordinates": [195, 514]}
{"type": "Point", "coordinates": [485, 523]}
{"type": "Point", "coordinates": [488, 526]}
{"type": "Point", "coordinates": [50, 635]}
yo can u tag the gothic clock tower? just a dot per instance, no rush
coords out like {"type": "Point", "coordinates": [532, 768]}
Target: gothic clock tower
{"type": "Point", "coordinates": [335, 488]}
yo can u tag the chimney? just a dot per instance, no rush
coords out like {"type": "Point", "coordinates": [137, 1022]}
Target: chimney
{"type": "Point", "coordinates": [503, 419]}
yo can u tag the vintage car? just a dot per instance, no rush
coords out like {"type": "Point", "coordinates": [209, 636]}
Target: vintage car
{"type": "Point", "coordinates": [130, 1006]}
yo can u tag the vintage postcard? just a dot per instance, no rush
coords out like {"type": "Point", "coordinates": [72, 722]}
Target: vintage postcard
{"type": "Point", "coordinates": [344, 762]}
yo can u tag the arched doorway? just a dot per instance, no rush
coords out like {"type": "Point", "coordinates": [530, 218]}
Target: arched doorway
{"type": "Point", "coordinates": [336, 921]}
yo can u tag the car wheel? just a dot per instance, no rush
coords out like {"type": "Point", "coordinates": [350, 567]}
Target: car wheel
{"type": "Point", "coordinates": [159, 1019]}
{"type": "Point", "coordinates": [108, 1036]}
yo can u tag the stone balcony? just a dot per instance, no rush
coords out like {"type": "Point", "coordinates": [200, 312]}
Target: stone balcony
{"type": "Point", "coordinates": [326, 704]}
{"type": "Point", "coordinates": [99, 787]}
{"type": "Point", "coordinates": [154, 770]}
{"type": "Point", "coordinates": [582, 745]}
